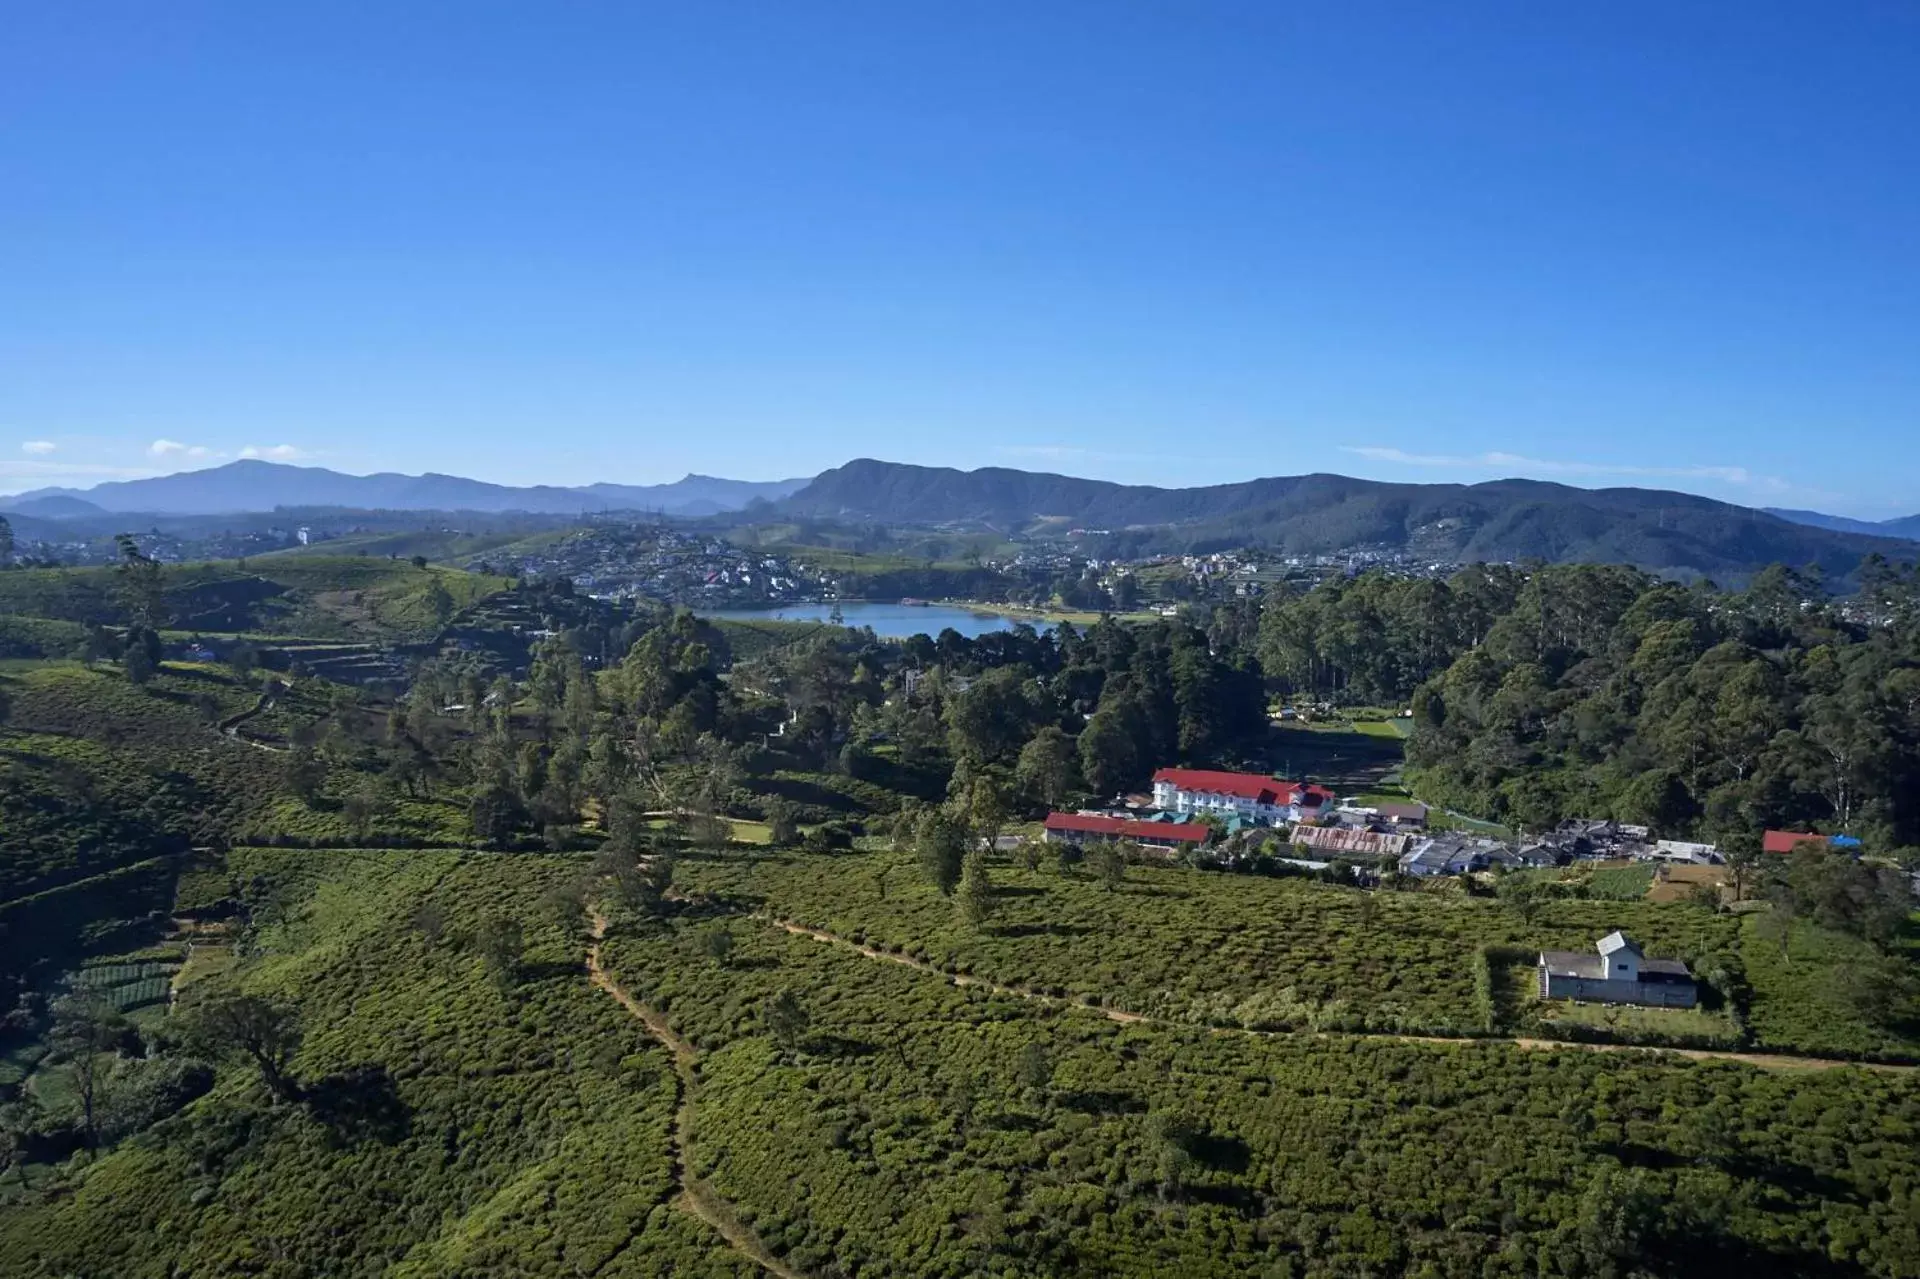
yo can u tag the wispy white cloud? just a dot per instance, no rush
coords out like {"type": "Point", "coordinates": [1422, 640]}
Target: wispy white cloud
{"type": "Point", "coordinates": [38, 448]}
{"type": "Point", "coordinates": [275, 452]}
{"type": "Point", "coordinates": [15, 476]}
{"type": "Point", "coordinates": [1517, 464]}
{"type": "Point", "coordinates": [174, 449]}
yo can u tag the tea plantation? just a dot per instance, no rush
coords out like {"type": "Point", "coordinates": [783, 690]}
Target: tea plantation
{"type": "Point", "coordinates": [574, 971]}
{"type": "Point", "coordinates": [477, 1131]}
{"type": "Point", "coordinates": [1226, 950]}
{"type": "Point", "coordinates": [475, 1124]}
{"type": "Point", "coordinates": [920, 1128]}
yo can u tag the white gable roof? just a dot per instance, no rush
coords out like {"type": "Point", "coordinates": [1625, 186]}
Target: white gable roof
{"type": "Point", "coordinates": [1617, 940]}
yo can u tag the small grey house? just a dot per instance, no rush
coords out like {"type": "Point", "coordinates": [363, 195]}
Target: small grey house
{"type": "Point", "coordinates": [1618, 973]}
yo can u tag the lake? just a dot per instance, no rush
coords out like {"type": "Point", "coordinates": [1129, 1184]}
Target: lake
{"type": "Point", "coordinates": [890, 621]}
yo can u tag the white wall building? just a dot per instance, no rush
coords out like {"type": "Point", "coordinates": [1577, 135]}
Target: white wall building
{"type": "Point", "coordinates": [1619, 973]}
{"type": "Point", "coordinates": [1265, 801]}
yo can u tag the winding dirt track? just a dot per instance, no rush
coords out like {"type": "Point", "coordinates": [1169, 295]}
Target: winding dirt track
{"type": "Point", "coordinates": [957, 979]}
{"type": "Point", "coordinates": [1767, 1061]}
{"type": "Point", "coordinates": [695, 1196]}
{"type": "Point", "coordinates": [230, 726]}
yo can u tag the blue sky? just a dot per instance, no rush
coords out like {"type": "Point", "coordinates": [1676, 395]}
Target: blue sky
{"type": "Point", "coordinates": [1674, 245]}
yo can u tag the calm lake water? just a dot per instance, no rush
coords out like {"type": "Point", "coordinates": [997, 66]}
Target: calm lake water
{"type": "Point", "coordinates": [891, 621]}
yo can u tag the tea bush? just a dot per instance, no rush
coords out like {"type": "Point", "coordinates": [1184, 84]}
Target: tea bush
{"type": "Point", "coordinates": [518, 1133]}
{"type": "Point", "coordinates": [1198, 946]}
{"type": "Point", "coordinates": [907, 1134]}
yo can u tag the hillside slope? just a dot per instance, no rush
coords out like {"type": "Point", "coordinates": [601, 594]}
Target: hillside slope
{"type": "Point", "coordinates": [446, 1126]}
{"type": "Point", "coordinates": [1500, 520]}
{"type": "Point", "coordinates": [322, 596]}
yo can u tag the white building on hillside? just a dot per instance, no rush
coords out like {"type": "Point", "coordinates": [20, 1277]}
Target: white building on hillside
{"type": "Point", "coordinates": [1265, 801]}
{"type": "Point", "coordinates": [1619, 973]}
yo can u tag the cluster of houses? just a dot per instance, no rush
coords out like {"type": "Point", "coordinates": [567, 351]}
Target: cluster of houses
{"type": "Point", "coordinates": [1169, 820]}
{"type": "Point", "coordinates": [1462, 853]}
{"type": "Point", "coordinates": [1616, 972]}
{"type": "Point", "coordinates": [1188, 806]}
{"type": "Point", "coordinates": [1457, 853]}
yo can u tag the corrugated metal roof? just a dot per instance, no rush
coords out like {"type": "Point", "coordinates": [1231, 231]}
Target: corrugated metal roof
{"type": "Point", "coordinates": [1334, 839]}
{"type": "Point", "coordinates": [1571, 963]}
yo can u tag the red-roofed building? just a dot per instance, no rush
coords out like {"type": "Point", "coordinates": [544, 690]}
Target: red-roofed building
{"type": "Point", "coordinates": [1264, 800]}
{"type": "Point", "coordinates": [1786, 841]}
{"type": "Point", "coordinates": [1081, 828]}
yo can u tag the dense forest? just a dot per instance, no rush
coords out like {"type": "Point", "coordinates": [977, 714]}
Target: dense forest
{"type": "Point", "coordinates": [1601, 691]}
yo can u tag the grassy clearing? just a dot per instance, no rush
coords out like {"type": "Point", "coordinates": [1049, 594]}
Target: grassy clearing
{"type": "Point", "coordinates": [1626, 1021]}
{"type": "Point", "coordinates": [1052, 615]}
{"type": "Point", "coordinates": [1339, 757]}
{"type": "Point", "coordinates": [202, 963]}
{"type": "Point", "coordinates": [1438, 819]}
{"type": "Point", "coordinates": [1621, 883]}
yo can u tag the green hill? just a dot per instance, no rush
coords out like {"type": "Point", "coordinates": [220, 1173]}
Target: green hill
{"type": "Point", "coordinates": [320, 596]}
{"type": "Point", "coordinates": [99, 776]}
{"type": "Point", "coordinates": [1502, 520]}
{"type": "Point", "coordinates": [449, 1126]}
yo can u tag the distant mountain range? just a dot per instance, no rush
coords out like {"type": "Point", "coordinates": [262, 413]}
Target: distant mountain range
{"type": "Point", "coordinates": [1907, 526]}
{"type": "Point", "coordinates": [252, 485]}
{"type": "Point", "coordinates": [1676, 533]}
{"type": "Point", "coordinates": [1307, 514]}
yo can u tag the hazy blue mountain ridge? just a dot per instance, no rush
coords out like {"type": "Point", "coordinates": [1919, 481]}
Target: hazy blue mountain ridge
{"type": "Point", "coordinates": [252, 485]}
{"type": "Point", "coordinates": [1907, 526]}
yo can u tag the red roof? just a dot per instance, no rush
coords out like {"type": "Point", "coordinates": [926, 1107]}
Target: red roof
{"type": "Point", "coordinates": [1123, 828]}
{"type": "Point", "coordinates": [1785, 841]}
{"type": "Point", "coordinates": [1261, 790]}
